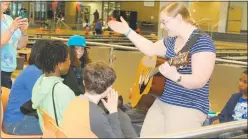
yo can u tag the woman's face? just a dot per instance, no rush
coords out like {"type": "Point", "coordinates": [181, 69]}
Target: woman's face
{"type": "Point", "coordinates": [4, 6]}
{"type": "Point", "coordinates": [79, 51]}
{"type": "Point", "coordinates": [170, 24]}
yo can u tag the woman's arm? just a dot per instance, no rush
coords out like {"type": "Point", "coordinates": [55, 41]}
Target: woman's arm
{"type": "Point", "coordinates": [5, 37]}
{"type": "Point", "coordinates": [202, 63]}
{"type": "Point", "coordinates": [144, 45]}
{"type": "Point", "coordinates": [23, 41]}
{"type": "Point", "coordinates": [202, 68]}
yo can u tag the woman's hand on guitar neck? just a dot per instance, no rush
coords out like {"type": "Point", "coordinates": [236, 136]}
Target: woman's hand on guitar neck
{"type": "Point", "coordinates": [169, 72]}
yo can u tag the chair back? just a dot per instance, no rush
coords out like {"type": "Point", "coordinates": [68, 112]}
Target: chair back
{"type": "Point", "coordinates": [50, 129]}
{"type": "Point", "coordinates": [76, 120]}
{"type": "Point", "coordinates": [5, 97]}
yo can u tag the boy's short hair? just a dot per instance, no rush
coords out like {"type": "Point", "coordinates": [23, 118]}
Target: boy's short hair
{"type": "Point", "coordinates": [98, 76]}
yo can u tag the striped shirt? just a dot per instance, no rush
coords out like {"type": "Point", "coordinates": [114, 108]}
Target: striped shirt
{"type": "Point", "coordinates": [178, 95]}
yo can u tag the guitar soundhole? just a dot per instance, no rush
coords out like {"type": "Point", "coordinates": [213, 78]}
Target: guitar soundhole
{"type": "Point", "coordinates": [144, 82]}
{"type": "Point", "coordinates": [142, 88]}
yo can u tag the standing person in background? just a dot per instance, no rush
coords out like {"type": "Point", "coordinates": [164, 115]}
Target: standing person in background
{"type": "Point", "coordinates": [13, 36]}
{"type": "Point", "coordinates": [49, 16]}
{"type": "Point", "coordinates": [96, 15]}
{"type": "Point", "coordinates": [98, 28]}
{"type": "Point", "coordinates": [184, 104]}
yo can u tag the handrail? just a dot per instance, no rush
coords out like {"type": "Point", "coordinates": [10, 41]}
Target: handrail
{"type": "Point", "coordinates": [212, 28]}
{"type": "Point", "coordinates": [205, 19]}
{"type": "Point", "coordinates": [135, 49]}
{"type": "Point", "coordinates": [231, 61]}
{"type": "Point", "coordinates": [102, 44]}
{"type": "Point", "coordinates": [206, 131]}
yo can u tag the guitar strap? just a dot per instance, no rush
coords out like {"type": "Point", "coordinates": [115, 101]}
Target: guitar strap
{"type": "Point", "coordinates": [192, 41]}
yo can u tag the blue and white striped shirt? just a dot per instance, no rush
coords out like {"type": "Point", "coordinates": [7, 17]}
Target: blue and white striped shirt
{"type": "Point", "coordinates": [178, 95]}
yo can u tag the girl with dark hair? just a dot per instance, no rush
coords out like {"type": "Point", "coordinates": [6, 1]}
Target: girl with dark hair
{"type": "Point", "coordinates": [49, 92]}
{"type": "Point", "coordinates": [15, 122]}
{"type": "Point", "coordinates": [79, 58]}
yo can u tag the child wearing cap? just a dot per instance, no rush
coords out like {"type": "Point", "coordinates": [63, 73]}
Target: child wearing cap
{"type": "Point", "coordinates": [79, 58]}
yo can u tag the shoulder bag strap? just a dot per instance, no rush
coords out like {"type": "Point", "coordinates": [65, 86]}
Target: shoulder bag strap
{"type": "Point", "coordinates": [54, 105]}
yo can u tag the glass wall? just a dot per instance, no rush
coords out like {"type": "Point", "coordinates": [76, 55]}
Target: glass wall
{"type": "Point", "coordinates": [14, 8]}
{"type": "Point", "coordinates": [108, 8]}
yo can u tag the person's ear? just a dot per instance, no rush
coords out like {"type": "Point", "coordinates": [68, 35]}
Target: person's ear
{"type": "Point", "coordinates": [179, 17]}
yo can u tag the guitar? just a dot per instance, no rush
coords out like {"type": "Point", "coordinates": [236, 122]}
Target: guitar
{"type": "Point", "coordinates": [150, 81]}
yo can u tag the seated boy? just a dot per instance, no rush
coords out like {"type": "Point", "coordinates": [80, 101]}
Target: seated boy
{"type": "Point", "coordinates": [98, 80]}
{"type": "Point", "coordinates": [235, 109]}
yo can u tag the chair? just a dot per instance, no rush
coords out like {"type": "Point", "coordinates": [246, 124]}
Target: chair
{"type": "Point", "coordinates": [106, 33]}
{"type": "Point", "coordinates": [76, 120]}
{"type": "Point", "coordinates": [50, 129]}
{"type": "Point", "coordinates": [5, 97]}
{"type": "Point", "coordinates": [4, 135]}
{"type": "Point", "coordinates": [116, 34]}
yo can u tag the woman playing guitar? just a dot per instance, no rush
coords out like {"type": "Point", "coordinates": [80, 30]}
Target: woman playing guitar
{"type": "Point", "coordinates": [184, 103]}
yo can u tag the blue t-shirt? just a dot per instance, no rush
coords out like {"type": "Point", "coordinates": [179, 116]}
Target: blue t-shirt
{"type": "Point", "coordinates": [8, 52]}
{"type": "Point", "coordinates": [99, 25]}
{"type": "Point", "coordinates": [240, 110]}
{"type": "Point", "coordinates": [176, 94]}
{"type": "Point", "coordinates": [20, 93]}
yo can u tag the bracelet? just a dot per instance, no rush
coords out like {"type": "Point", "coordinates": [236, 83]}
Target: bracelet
{"type": "Point", "coordinates": [24, 34]}
{"type": "Point", "coordinates": [11, 31]}
{"type": "Point", "coordinates": [179, 79]}
{"type": "Point", "coordinates": [128, 32]}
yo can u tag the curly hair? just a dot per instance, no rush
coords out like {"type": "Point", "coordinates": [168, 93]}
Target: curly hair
{"type": "Point", "coordinates": [53, 53]}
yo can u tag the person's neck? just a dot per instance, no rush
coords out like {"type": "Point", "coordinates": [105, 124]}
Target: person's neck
{"type": "Point", "coordinates": [52, 74]}
{"type": "Point", "coordinates": [93, 98]}
{"type": "Point", "coordinates": [187, 31]}
{"type": "Point", "coordinates": [244, 96]}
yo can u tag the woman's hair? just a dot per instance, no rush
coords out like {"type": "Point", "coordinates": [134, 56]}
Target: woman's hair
{"type": "Point", "coordinates": [174, 8]}
{"type": "Point", "coordinates": [85, 59]}
{"type": "Point", "coordinates": [75, 61]}
{"type": "Point", "coordinates": [73, 57]}
{"type": "Point", "coordinates": [35, 51]}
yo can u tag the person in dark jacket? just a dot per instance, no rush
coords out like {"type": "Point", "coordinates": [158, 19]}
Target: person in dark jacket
{"type": "Point", "coordinates": [79, 58]}
{"type": "Point", "coordinates": [235, 108]}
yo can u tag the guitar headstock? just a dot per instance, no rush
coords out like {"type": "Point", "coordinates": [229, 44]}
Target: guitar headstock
{"type": "Point", "coordinates": [180, 60]}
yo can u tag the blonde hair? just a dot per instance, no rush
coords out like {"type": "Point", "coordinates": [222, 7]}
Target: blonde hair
{"type": "Point", "coordinates": [175, 8]}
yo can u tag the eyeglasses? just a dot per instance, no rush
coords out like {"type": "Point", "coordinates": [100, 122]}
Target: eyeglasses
{"type": "Point", "coordinates": [164, 22]}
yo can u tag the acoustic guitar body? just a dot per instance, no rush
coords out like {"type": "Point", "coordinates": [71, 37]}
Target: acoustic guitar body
{"type": "Point", "coordinates": [154, 86]}
{"type": "Point", "coordinates": [149, 83]}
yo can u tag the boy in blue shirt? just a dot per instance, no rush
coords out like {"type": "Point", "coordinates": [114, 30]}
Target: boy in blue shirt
{"type": "Point", "coordinates": [235, 109]}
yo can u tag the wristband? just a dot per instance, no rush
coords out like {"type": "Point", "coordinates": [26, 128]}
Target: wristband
{"type": "Point", "coordinates": [11, 31]}
{"type": "Point", "coordinates": [24, 34]}
{"type": "Point", "coordinates": [128, 32]}
{"type": "Point", "coordinates": [179, 79]}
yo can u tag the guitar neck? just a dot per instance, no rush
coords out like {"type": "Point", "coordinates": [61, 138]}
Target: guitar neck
{"type": "Point", "coordinates": [156, 70]}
